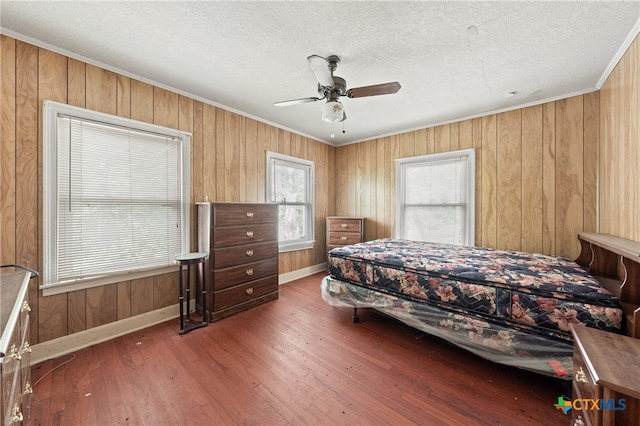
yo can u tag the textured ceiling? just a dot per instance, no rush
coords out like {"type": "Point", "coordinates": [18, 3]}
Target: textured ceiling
{"type": "Point", "coordinates": [453, 59]}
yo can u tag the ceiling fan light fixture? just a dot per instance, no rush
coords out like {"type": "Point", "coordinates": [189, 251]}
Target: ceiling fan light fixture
{"type": "Point", "coordinates": [332, 111]}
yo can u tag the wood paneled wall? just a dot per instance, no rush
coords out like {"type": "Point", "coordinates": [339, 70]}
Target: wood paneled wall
{"type": "Point", "coordinates": [535, 174]}
{"type": "Point", "coordinates": [227, 159]}
{"type": "Point", "coordinates": [620, 148]}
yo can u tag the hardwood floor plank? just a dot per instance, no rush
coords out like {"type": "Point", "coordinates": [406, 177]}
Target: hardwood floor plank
{"type": "Point", "coordinates": [294, 361]}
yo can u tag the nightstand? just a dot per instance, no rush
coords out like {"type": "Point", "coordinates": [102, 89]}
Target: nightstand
{"type": "Point", "coordinates": [344, 230]}
{"type": "Point", "coordinates": [605, 367]}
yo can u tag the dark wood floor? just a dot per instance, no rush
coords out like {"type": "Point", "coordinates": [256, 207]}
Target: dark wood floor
{"type": "Point", "coordinates": [292, 361]}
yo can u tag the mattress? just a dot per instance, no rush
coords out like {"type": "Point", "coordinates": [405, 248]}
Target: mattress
{"type": "Point", "coordinates": [538, 294]}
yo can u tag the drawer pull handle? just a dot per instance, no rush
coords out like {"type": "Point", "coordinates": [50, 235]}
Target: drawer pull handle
{"type": "Point", "coordinates": [17, 414]}
{"type": "Point", "coordinates": [249, 233]}
{"type": "Point", "coordinates": [25, 307]}
{"type": "Point", "coordinates": [249, 272]}
{"type": "Point", "coordinates": [249, 290]}
{"type": "Point", "coordinates": [344, 226]}
{"type": "Point", "coordinates": [343, 238]}
{"type": "Point", "coordinates": [28, 390]}
{"type": "Point", "coordinates": [580, 376]}
{"type": "Point", "coordinates": [14, 354]}
{"type": "Point", "coordinates": [26, 348]}
{"type": "Point", "coordinates": [249, 214]}
{"type": "Point", "coordinates": [249, 252]}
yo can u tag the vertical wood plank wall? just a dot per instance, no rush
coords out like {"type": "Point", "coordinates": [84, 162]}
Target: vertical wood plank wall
{"type": "Point", "coordinates": [535, 174]}
{"type": "Point", "coordinates": [619, 158]}
{"type": "Point", "coordinates": [543, 173]}
{"type": "Point", "coordinates": [227, 159]}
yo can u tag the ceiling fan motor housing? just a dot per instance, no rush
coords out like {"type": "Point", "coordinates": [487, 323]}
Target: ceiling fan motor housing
{"type": "Point", "coordinates": [339, 88]}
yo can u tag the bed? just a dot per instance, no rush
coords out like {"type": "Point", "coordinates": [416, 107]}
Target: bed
{"type": "Point", "coordinates": [510, 307]}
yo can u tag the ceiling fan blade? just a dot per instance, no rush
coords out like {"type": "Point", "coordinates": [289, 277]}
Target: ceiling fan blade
{"type": "Point", "coordinates": [376, 89]}
{"type": "Point", "coordinates": [296, 101]}
{"type": "Point", "coordinates": [319, 67]}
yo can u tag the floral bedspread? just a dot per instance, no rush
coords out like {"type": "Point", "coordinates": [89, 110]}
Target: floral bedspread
{"type": "Point", "coordinates": [535, 292]}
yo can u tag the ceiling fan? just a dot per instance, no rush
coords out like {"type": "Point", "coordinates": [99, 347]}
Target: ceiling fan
{"type": "Point", "coordinates": [331, 87]}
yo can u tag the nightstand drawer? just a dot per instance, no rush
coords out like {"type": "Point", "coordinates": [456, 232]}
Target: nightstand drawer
{"type": "Point", "coordinates": [344, 238]}
{"type": "Point", "coordinates": [344, 225]}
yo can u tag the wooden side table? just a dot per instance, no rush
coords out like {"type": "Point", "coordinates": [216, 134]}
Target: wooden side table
{"type": "Point", "coordinates": [344, 230]}
{"type": "Point", "coordinates": [189, 259]}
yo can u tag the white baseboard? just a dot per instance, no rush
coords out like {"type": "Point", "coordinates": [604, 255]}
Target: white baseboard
{"type": "Point", "coordinates": [55, 348]}
{"type": "Point", "coordinates": [301, 273]}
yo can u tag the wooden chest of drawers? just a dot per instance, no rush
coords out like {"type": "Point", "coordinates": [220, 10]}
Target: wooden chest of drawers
{"type": "Point", "coordinates": [15, 366]}
{"type": "Point", "coordinates": [342, 231]}
{"type": "Point", "coordinates": [242, 242]}
{"type": "Point", "coordinates": [606, 386]}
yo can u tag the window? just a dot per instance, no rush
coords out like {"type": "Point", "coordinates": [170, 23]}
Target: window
{"type": "Point", "coordinates": [290, 184]}
{"type": "Point", "coordinates": [435, 197]}
{"type": "Point", "coordinates": [116, 197]}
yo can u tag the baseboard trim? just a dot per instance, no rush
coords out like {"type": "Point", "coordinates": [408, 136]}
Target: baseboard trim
{"type": "Point", "coordinates": [56, 348]}
{"type": "Point", "coordinates": [301, 273]}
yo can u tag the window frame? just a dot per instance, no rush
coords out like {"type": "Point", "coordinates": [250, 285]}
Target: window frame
{"type": "Point", "coordinates": [469, 154]}
{"type": "Point", "coordinates": [51, 110]}
{"type": "Point", "coordinates": [273, 158]}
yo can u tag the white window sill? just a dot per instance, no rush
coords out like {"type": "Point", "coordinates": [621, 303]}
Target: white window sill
{"type": "Point", "coordinates": [295, 247]}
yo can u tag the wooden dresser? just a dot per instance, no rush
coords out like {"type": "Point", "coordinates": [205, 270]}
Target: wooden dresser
{"type": "Point", "coordinates": [606, 367]}
{"type": "Point", "coordinates": [15, 351]}
{"type": "Point", "coordinates": [242, 242]}
{"type": "Point", "coordinates": [343, 230]}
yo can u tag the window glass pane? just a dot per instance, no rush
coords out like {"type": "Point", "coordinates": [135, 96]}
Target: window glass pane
{"type": "Point", "coordinates": [443, 224]}
{"type": "Point", "coordinates": [439, 182]}
{"type": "Point", "coordinates": [291, 224]}
{"type": "Point", "coordinates": [290, 183]}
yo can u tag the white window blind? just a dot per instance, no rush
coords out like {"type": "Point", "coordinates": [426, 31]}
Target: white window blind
{"type": "Point", "coordinates": [290, 184]}
{"type": "Point", "coordinates": [120, 199]}
{"type": "Point", "coordinates": [436, 197]}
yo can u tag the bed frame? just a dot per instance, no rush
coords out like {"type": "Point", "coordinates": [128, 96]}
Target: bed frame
{"type": "Point", "coordinates": [615, 262]}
